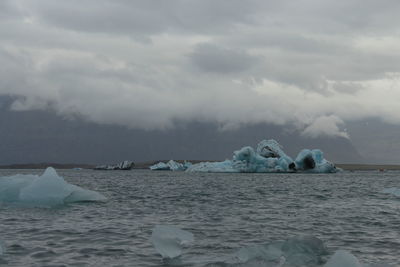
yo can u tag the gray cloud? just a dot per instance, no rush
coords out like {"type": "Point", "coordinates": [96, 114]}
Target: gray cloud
{"type": "Point", "coordinates": [212, 58]}
{"type": "Point", "coordinates": [147, 64]}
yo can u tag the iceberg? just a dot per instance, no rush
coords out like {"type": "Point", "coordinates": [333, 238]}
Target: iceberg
{"type": "Point", "coordinates": [313, 161]}
{"type": "Point", "coordinates": [49, 189]}
{"type": "Point", "coordinates": [224, 166]}
{"type": "Point", "coordinates": [170, 166]}
{"type": "Point", "coordinates": [124, 165]}
{"type": "Point", "coordinates": [268, 157]}
{"type": "Point", "coordinates": [169, 240]}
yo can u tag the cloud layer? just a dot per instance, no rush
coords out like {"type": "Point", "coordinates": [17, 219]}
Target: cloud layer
{"type": "Point", "coordinates": [149, 64]}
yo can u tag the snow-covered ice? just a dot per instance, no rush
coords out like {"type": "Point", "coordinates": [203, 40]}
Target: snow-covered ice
{"type": "Point", "coordinates": [49, 189]}
{"type": "Point", "coordinates": [268, 157]}
{"type": "Point", "coordinates": [169, 240]}
{"type": "Point", "coordinates": [124, 165]}
{"type": "Point", "coordinates": [170, 166]}
{"type": "Point", "coordinates": [223, 166]}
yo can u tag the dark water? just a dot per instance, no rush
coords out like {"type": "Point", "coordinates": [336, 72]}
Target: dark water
{"type": "Point", "coordinates": [224, 212]}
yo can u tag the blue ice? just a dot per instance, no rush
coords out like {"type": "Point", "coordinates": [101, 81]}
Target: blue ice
{"type": "Point", "coordinates": [48, 189]}
{"type": "Point", "coordinates": [268, 157]}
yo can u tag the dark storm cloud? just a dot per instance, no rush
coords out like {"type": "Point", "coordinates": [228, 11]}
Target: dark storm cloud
{"type": "Point", "coordinates": [146, 64]}
{"type": "Point", "coordinates": [145, 17]}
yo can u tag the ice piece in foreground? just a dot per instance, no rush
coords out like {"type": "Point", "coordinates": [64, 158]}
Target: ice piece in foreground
{"type": "Point", "coordinates": [169, 240]}
{"type": "Point", "coordinates": [296, 251]}
{"type": "Point", "coordinates": [392, 190]}
{"type": "Point", "coordinates": [342, 258]}
{"type": "Point", "coordinates": [49, 189]}
{"type": "Point", "coordinates": [268, 157]}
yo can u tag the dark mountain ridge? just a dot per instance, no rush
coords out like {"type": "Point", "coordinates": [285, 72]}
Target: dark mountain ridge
{"type": "Point", "coordinates": [44, 136]}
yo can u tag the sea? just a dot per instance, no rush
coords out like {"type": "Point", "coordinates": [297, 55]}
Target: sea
{"type": "Point", "coordinates": [224, 211]}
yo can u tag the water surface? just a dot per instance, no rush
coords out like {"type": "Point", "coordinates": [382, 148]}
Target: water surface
{"type": "Point", "coordinates": [224, 212]}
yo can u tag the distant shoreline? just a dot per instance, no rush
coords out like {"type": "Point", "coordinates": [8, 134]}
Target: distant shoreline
{"type": "Point", "coordinates": [146, 165]}
{"type": "Point", "coordinates": [368, 167]}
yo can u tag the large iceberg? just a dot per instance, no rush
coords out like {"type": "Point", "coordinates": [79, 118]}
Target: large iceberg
{"type": "Point", "coordinates": [49, 189]}
{"type": "Point", "coordinates": [268, 157]}
{"type": "Point", "coordinates": [169, 240]}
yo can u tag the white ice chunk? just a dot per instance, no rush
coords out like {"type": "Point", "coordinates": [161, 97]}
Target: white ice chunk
{"type": "Point", "coordinates": [49, 189]}
{"type": "Point", "coordinates": [160, 166]}
{"type": "Point", "coordinates": [392, 190]}
{"type": "Point", "coordinates": [224, 166]}
{"type": "Point", "coordinates": [170, 166]}
{"type": "Point", "coordinates": [342, 258]}
{"type": "Point", "coordinates": [175, 166]}
{"type": "Point", "coordinates": [169, 240]}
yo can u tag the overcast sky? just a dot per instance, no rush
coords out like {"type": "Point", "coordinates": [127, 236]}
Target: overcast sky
{"type": "Point", "coordinates": [147, 64]}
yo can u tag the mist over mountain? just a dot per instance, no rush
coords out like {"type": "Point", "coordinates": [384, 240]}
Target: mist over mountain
{"type": "Point", "coordinates": [43, 136]}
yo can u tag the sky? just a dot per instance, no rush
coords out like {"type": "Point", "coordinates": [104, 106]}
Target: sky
{"type": "Point", "coordinates": [315, 65]}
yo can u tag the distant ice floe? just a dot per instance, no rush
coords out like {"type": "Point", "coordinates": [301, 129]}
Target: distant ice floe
{"type": "Point", "coordinates": [170, 166]}
{"type": "Point", "coordinates": [48, 190]}
{"type": "Point", "coordinates": [392, 190]}
{"type": "Point", "coordinates": [268, 157]}
{"type": "Point", "coordinates": [169, 240]}
{"type": "Point", "coordinates": [124, 165]}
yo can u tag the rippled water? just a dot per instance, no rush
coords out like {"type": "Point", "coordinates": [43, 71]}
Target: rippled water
{"type": "Point", "coordinates": [224, 212]}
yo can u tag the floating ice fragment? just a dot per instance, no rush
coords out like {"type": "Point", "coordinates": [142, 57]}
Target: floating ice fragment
{"type": "Point", "coordinates": [392, 190]}
{"type": "Point", "coordinates": [170, 166]}
{"type": "Point", "coordinates": [169, 240]}
{"type": "Point", "coordinates": [224, 166]}
{"type": "Point", "coordinates": [124, 165]}
{"type": "Point", "coordinates": [49, 189]}
{"type": "Point", "coordinates": [342, 258]}
{"type": "Point", "coordinates": [297, 251]}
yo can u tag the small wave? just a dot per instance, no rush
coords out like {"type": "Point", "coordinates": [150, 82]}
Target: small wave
{"type": "Point", "coordinates": [392, 190]}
